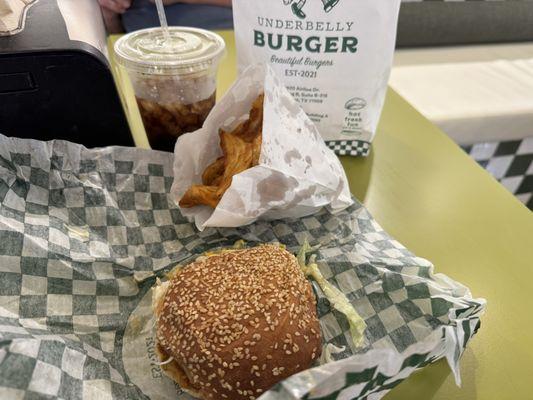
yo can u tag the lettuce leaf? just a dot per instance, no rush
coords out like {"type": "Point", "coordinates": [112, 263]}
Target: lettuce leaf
{"type": "Point", "coordinates": [336, 298]}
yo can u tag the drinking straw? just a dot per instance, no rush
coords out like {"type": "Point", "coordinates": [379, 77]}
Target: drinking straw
{"type": "Point", "coordinates": [162, 18]}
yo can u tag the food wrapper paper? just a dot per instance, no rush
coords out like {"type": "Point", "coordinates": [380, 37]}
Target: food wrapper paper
{"type": "Point", "coordinates": [85, 233]}
{"type": "Point", "coordinates": [297, 173]}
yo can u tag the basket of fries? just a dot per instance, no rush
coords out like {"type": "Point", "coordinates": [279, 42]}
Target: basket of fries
{"type": "Point", "coordinates": [258, 156]}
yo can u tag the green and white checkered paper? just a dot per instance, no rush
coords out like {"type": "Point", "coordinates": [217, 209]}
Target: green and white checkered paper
{"type": "Point", "coordinates": [84, 234]}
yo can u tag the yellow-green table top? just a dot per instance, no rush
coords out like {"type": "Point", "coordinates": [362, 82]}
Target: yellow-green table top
{"type": "Point", "coordinates": [427, 193]}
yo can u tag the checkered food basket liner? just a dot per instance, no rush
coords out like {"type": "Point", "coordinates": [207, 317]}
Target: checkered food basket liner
{"type": "Point", "coordinates": [84, 234]}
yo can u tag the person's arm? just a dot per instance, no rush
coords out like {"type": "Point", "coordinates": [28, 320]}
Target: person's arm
{"type": "Point", "coordinates": [111, 10]}
{"type": "Point", "coordinates": [115, 6]}
{"type": "Point", "coordinates": [223, 3]}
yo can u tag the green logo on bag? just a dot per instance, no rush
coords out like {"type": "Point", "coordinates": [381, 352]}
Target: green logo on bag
{"type": "Point", "coordinates": [355, 104]}
{"type": "Point", "coordinates": [298, 5]}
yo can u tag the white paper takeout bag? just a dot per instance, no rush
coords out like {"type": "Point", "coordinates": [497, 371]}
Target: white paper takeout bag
{"type": "Point", "coordinates": [297, 174]}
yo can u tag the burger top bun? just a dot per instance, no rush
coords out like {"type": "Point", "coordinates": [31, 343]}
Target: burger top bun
{"type": "Point", "coordinates": [232, 325]}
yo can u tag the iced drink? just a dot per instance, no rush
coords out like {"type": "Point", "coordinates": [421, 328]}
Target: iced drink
{"type": "Point", "coordinates": [174, 79]}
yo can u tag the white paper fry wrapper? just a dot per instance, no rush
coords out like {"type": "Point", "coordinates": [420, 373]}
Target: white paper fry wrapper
{"type": "Point", "coordinates": [297, 174]}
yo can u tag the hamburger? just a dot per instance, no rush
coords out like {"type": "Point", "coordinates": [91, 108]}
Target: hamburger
{"type": "Point", "coordinates": [233, 324]}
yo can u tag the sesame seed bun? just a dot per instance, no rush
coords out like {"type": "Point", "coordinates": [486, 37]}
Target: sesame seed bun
{"type": "Point", "coordinates": [236, 323]}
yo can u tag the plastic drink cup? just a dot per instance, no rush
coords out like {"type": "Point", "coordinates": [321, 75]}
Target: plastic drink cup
{"type": "Point", "coordinates": [174, 79]}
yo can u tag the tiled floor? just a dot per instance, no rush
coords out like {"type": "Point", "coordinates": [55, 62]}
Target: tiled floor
{"type": "Point", "coordinates": [511, 163]}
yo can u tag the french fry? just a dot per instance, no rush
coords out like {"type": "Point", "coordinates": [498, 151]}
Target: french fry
{"type": "Point", "coordinates": [201, 195]}
{"type": "Point", "coordinates": [238, 157]}
{"type": "Point", "coordinates": [256, 149]}
{"type": "Point", "coordinates": [214, 172]}
{"type": "Point", "coordinates": [253, 126]}
{"type": "Point", "coordinates": [256, 119]}
{"type": "Point", "coordinates": [241, 150]}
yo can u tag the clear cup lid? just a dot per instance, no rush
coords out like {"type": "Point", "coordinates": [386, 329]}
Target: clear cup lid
{"type": "Point", "coordinates": [186, 51]}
